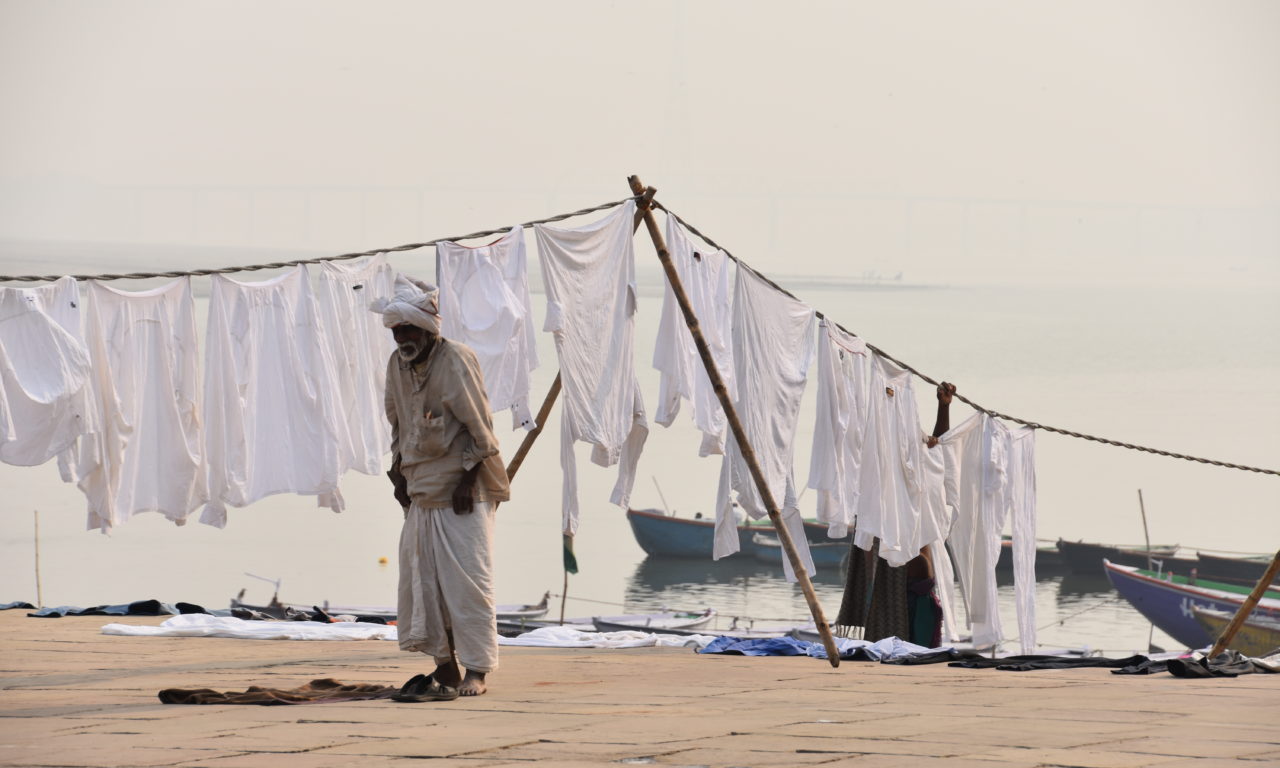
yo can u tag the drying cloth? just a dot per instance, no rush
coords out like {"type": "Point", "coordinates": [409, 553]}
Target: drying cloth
{"type": "Point", "coordinates": [836, 460]}
{"type": "Point", "coordinates": [17, 604]}
{"type": "Point", "coordinates": [359, 346]}
{"type": "Point", "coordinates": [1030, 662]}
{"type": "Point", "coordinates": [44, 375]}
{"type": "Point", "coordinates": [704, 273]}
{"type": "Point", "coordinates": [204, 625]}
{"type": "Point", "coordinates": [1022, 512]}
{"type": "Point", "coordinates": [564, 637]}
{"type": "Point", "coordinates": [887, 650]}
{"type": "Point", "coordinates": [976, 455]}
{"type": "Point", "coordinates": [271, 415]}
{"type": "Point", "coordinates": [314, 692]}
{"type": "Point", "coordinates": [446, 582]}
{"type": "Point", "coordinates": [589, 275]}
{"type": "Point", "coordinates": [441, 426]}
{"type": "Point", "coordinates": [149, 454]}
{"type": "Point", "coordinates": [136, 608]}
{"type": "Point", "coordinates": [772, 349]}
{"type": "Point", "coordinates": [484, 303]}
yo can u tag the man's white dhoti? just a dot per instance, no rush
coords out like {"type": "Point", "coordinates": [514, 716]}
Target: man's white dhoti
{"type": "Point", "coordinates": [446, 582]}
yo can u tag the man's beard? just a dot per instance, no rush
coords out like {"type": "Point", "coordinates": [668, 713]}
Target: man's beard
{"type": "Point", "coordinates": [409, 350]}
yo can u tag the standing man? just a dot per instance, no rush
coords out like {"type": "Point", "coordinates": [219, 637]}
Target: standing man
{"type": "Point", "coordinates": [448, 477]}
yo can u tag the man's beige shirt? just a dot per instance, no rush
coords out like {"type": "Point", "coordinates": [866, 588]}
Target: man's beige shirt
{"type": "Point", "coordinates": [441, 426]}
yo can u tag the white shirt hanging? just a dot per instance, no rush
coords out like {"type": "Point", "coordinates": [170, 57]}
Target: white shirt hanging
{"type": "Point", "coordinates": [839, 427]}
{"type": "Point", "coordinates": [772, 350]}
{"type": "Point", "coordinates": [360, 346]}
{"type": "Point", "coordinates": [271, 423]}
{"type": "Point", "coordinates": [484, 303]}
{"type": "Point", "coordinates": [589, 274]}
{"type": "Point", "coordinates": [44, 375]}
{"type": "Point", "coordinates": [705, 276]}
{"type": "Point", "coordinates": [149, 453]}
{"type": "Point", "coordinates": [1022, 512]}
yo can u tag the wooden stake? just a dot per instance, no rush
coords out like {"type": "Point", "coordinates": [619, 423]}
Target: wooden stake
{"type": "Point", "coordinates": [1246, 608]}
{"type": "Point", "coordinates": [543, 414]}
{"type": "Point", "coordinates": [39, 591]}
{"type": "Point", "coordinates": [1145, 532]}
{"type": "Point", "coordinates": [735, 425]}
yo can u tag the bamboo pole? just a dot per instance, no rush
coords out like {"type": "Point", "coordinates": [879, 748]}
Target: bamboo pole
{"type": "Point", "coordinates": [39, 591]}
{"type": "Point", "coordinates": [1246, 608]}
{"type": "Point", "coordinates": [543, 414]}
{"type": "Point", "coordinates": [735, 425]}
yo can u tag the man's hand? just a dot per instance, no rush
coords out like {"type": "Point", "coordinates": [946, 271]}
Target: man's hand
{"type": "Point", "coordinates": [399, 483]}
{"type": "Point", "coordinates": [945, 391]}
{"type": "Point", "coordinates": [464, 494]}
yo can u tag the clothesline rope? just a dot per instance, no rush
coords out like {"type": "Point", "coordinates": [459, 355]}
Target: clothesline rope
{"type": "Point", "coordinates": [962, 398]}
{"type": "Point", "coordinates": [318, 259]}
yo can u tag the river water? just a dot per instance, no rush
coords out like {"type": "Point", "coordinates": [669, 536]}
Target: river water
{"type": "Point", "coordinates": [1181, 367]}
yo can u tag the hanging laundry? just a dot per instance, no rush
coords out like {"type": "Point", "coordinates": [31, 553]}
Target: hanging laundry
{"type": "Point", "coordinates": [900, 482]}
{"type": "Point", "coordinates": [44, 376]}
{"type": "Point", "coordinates": [484, 303]}
{"type": "Point", "coordinates": [1022, 512]}
{"type": "Point", "coordinates": [772, 350]}
{"type": "Point", "coordinates": [976, 455]}
{"type": "Point", "coordinates": [705, 276]}
{"type": "Point", "coordinates": [271, 421]}
{"type": "Point", "coordinates": [589, 274]}
{"type": "Point", "coordinates": [360, 347]}
{"type": "Point", "coordinates": [839, 428]}
{"type": "Point", "coordinates": [148, 455]}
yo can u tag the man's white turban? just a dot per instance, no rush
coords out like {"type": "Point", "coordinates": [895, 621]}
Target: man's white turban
{"type": "Point", "coordinates": [413, 303]}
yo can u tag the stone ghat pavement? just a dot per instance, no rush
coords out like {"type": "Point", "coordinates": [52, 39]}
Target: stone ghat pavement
{"type": "Point", "coordinates": [70, 696]}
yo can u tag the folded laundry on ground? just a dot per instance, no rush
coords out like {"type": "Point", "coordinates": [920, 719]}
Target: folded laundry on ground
{"type": "Point", "coordinates": [16, 604]}
{"type": "Point", "coordinates": [204, 625]}
{"type": "Point", "coordinates": [314, 692]}
{"type": "Point", "coordinates": [136, 608]}
{"type": "Point", "coordinates": [891, 650]}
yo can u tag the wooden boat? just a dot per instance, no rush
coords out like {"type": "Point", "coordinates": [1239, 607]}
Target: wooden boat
{"type": "Point", "coordinates": [1246, 569]}
{"type": "Point", "coordinates": [1168, 600]}
{"type": "Point", "coordinates": [662, 535]}
{"type": "Point", "coordinates": [1048, 556]}
{"type": "Point", "coordinates": [1087, 557]}
{"type": "Point", "coordinates": [603, 625]}
{"type": "Point", "coordinates": [656, 621]}
{"type": "Point", "coordinates": [826, 554]}
{"type": "Point", "coordinates": [1256, 637]}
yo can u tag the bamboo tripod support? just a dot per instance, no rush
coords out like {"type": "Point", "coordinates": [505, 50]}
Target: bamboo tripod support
{"type": "Point", "coordinates": [1246, 608]}
{"type": "Point", "coordinates": [527, 443]}
{"type": "Point", "coordinates": [735, 425]}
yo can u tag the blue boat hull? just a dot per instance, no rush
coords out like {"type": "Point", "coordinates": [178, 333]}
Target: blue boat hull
{"type": "Point", "coordinates": [1169, 606]}
{"type": "Point", "coordinates": [662, 536]}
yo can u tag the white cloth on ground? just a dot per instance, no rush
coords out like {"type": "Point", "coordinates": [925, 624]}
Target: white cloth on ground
{"type": "Point", "coordinates": [484, 303]}
{"type": "Point", "coordinates": [204, 625]}
{"type": "Point", "coordinates": [772, 350]}
{"type": "Point", "coordinates": [446, 582]}
{"type": "Point", "coordinates": [589, 275]}
{"type": "Point", "coordinates": [44, 375]}
{"type": "Point", "coordinates": [149, 452]}
{"type": "Point", "coordinates": [359, 346]}
{"type": "Point", "coordinates": [704, 273]}
{"type": "Point", "coordinates": [976, 457]}
{"type": "Point", "coordinates": [271, 420]}
{"type": "Point", "coordinates": [564, 637]}
{"type": "Point", "coordinates": [900, 497]}
{"type": "Point", "coordinates": [839, 427]}
{"type": "Point", "coordinates": [1022, 512]}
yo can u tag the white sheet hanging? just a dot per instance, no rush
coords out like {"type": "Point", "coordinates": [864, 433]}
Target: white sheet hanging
{"type": "Point", "coordinates": [149, 453]}
{"type": "Point", "coordinates": [839, 427]}
{"type": "Point", "coordinates": [705, 276]}
{"type": "Point", "coordinates": [484, 303]}
{"type": "Point", "coordinates": [359, 346]}
{"type": "Point", "coordinates": [772, 350]}
{"type": "Point", "coordinates": [589, 274]}
{"type": "Point", "coordinates": [1022, 511]}
{"type": "Point", "coordinates": [271, 421]}
{"type": "Point", "coordinates": [976, 457]}
{"type": "Point", "coordinates": [44, 375]}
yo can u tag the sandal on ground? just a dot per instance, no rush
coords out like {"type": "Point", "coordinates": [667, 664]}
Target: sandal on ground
{"type": "Point", "coordinates": [422, 688]}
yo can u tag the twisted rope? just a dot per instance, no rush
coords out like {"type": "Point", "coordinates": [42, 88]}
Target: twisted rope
{"type": "Point", "coordinates": [962, 398]}
{"type": "Point", "coordinates": [317, 260]}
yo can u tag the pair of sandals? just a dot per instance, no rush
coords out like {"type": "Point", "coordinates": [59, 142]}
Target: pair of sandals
{"type": "Point", "coordinates": [422, 688]}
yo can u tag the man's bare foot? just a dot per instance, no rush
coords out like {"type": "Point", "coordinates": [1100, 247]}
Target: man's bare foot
{"type": "Point", "coordinates": [448, 674]}
{"type": "Point", "coordinates": [472, 684]}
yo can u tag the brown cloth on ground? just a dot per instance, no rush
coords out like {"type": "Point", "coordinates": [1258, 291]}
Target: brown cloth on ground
{"type": "Point", "coordinates": [888, 615]}
{"type": "Point", "coordinates": [314, 692]}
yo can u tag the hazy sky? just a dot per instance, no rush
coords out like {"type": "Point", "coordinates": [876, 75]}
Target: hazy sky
{"type": "Point", "coordinates": [951, 141]}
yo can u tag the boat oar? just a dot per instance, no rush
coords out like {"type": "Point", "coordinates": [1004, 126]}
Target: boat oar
{"type": "Point", "coordinates": [1246, 608]}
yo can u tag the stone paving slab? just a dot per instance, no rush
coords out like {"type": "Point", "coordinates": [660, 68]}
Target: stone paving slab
{"type": "Point", "coordinates": [70, 696]}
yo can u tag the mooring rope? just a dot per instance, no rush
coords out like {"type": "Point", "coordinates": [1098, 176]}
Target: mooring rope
{"type": "Point", "coordinates": [962, 398]}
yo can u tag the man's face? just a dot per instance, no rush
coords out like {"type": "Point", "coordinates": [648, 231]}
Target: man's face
{"type": "Point", "coordinates": [410, 341]}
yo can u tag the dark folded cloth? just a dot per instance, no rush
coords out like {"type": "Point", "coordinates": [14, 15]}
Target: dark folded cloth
{"type": "Point", "coordinates": [18, 604]}
{"type": "Point", "coordinates": [137, 608]}
{"type": "Point", "coordinates": [1034, 662]}
{"type": "Point", "coordinates": [314, 692]}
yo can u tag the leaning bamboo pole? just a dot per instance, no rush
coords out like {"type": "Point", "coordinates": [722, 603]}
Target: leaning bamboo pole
{"type": "Point", "coordinates": [1246, 608]}
{"type": "Point", "coordinates": [735, 425]}
{"type": "Point", "coordinates": [543, 414]}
